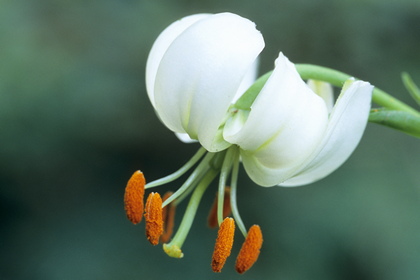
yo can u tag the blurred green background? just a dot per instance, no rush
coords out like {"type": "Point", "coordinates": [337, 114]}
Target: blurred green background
{"type": "Point", "coordinates": [75, 122]}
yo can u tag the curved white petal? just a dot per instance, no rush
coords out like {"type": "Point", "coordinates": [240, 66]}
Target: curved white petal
{"type": "Point", "coordinates": [325, 91]}
{"type": "Point", "coordinates": [200, 73]}
{"type": "Point", "coordinates": [345, 129]}
{"type": "Point", "coordinates": [248, 80]}
{"type": "Point", "coordinates": [160, 46]}
{"type": "Point", "coordinates": [286, 122]}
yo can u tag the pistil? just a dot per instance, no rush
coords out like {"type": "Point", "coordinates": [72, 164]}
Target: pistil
{"type": "Point", "coordinates": [173, 249]}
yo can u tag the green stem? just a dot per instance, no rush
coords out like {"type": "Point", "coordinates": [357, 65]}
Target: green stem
{"type": "Point", "coordinates": [334, 77]}
{"type": "Point", "coordinates": [411, 87]}
{"type": "Point", "coordinates": [337, 78]}
{"type": "Point", "coordinates": [399, 120]}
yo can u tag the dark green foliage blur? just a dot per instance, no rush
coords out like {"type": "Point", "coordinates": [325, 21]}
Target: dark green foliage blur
{"type": "Point", "coordinates": [75, 122]}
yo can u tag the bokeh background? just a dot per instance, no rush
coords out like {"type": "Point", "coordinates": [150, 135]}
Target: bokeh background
{"type": "Point", "coordinates": [75, 122]}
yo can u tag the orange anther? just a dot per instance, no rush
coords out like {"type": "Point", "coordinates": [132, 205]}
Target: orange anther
{"type": "Point", "coordinates": [223, 244]}
{"type": "Point", "coordinates": [250, 249]}
{"type": "Point", "coordinates": [153, 216]}
{"type": "Point", "coordinates": [168, 216]}
{"type": "Point", "coordinates": [212, 218]}
{"type": "Point", "coordinates": [133, 197]}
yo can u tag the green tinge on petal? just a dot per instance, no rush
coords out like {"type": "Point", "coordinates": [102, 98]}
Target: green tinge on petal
{"type": "Point", "coordinates": [324, 90]}
{"type": "Point", "coordinates": [345, 129]}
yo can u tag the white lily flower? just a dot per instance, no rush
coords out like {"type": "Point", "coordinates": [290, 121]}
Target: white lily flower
{"type": "Point", "coordinates": [292, 134]}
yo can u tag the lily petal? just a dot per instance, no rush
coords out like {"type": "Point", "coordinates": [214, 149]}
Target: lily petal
{"type": "Point", "coordinates": [185, 138]}
{"type": "Point", "coordinates": [161, 45]}
{"type": "Point", "coordinates": [286, 123]}
{"type": "Point", "coordinates": [345, 129]}
{"type": "Point", "coordinates": [248, 80]}
{"type": "Point", "coordinates": [200, 73]}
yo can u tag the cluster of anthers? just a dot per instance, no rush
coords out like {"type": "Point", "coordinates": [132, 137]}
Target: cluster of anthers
{"type": "Point", "coordinates": [159, 213]}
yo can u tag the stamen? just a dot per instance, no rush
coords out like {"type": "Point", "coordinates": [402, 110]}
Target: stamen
{"type": "Point", "coordinates": [250, 249]}
{"type": "Point", "coordinates": [196, 175]}
{"type": "Point", "coordinates": [210, 161]}
{"type": "Point", "coordinates": [212, 218]}
{"type": "Point", "coordinates": [133, 197]}
{"type": "Point", "coordinates": [153, 216]}
{"type": "Point", "coordinates": [224, 243]}
{"type": "Point", "coordinates": [231, 154]}
{"type": "Point", "coordinates": [168, 216]}
{"type": "Point", "coordinates": [233, 203]}
{"type": "Point", "coordinates": [180, 172]}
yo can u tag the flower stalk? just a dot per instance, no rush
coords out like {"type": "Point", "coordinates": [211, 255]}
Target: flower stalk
{"type": "Point", "coordinates": [334, 77]}
{"type": "Point", "coordinates": [411, 87]}
{"type": "Point", "coordinates": [337, 78]}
